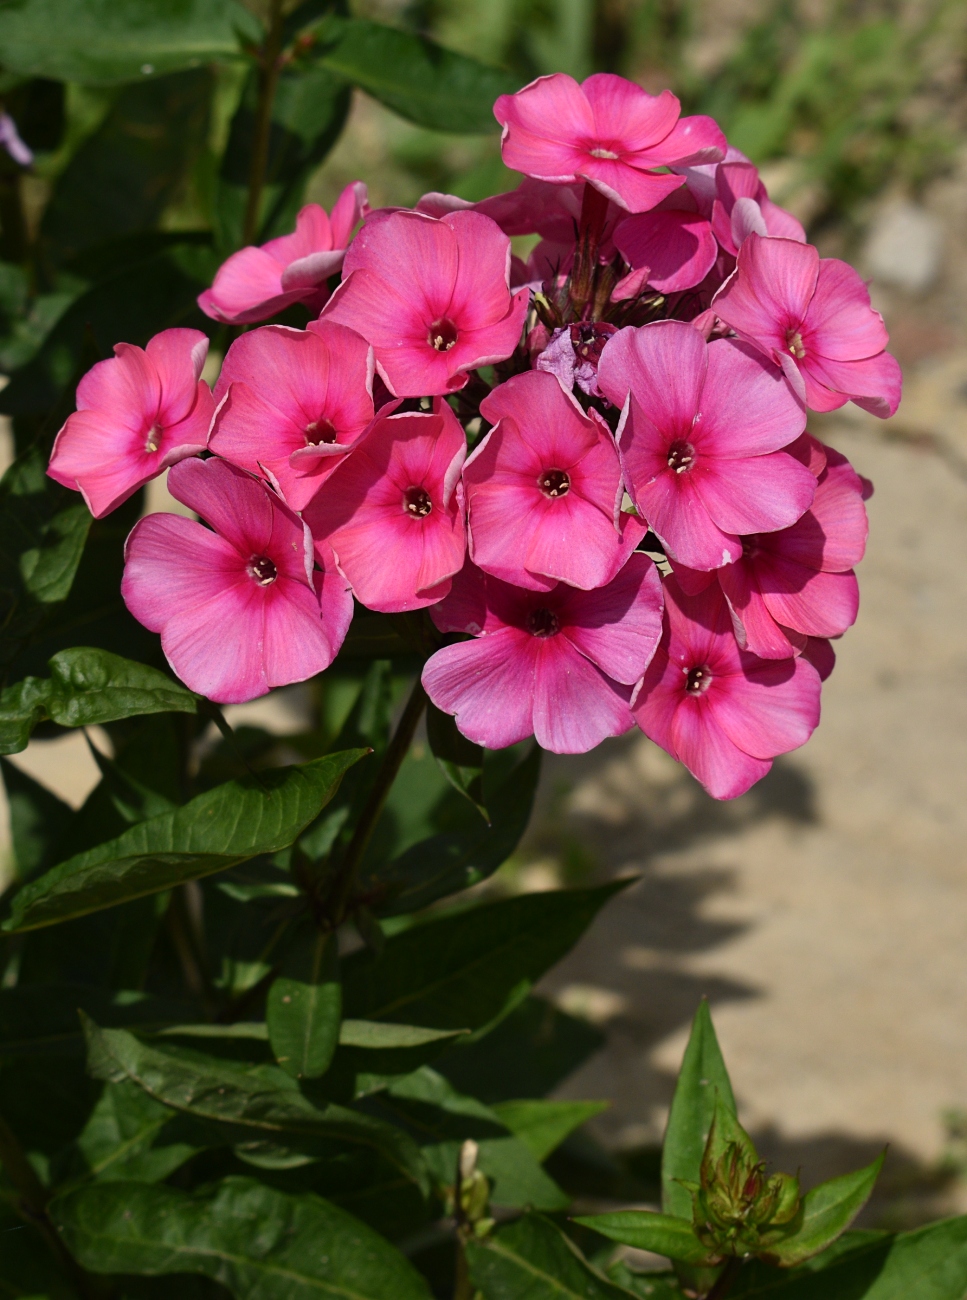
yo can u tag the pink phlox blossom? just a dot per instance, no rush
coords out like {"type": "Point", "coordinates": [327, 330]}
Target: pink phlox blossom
{"type": "Point", "coordinates": [544, 490]}
{"type": "Point", "coordinates": [432, 297]}
{"type": "Point", "coordinates": [742, 207]}
{"type": "Point", "coordinates": [533, 208]}
{"type": "Point", "coordinates": [572, 354]}
{"type": "Point", "coordinates": [812, 316]}
{"type": "Point", "coordinates": [292, 403]}
{"type": "Point", "coordinates": [560, 665]}
{"type": "Point", "coordinates": [393, 511]}
{"type": "Point", "coordinates": [670, 249]}
{"type": "Point", "coordinates": [137, 413]}
{"type": "Point", "coordinates": [700, 180]}
{"type": "Point", "coordinates": [258, 282]}
{"type": "Point", "coordinates": [798, 583]}
{"type": "Point", "coordinates": [701, 439]}
{"type": "Point", "coordinates": [238, 608]}
{"type": "Point", "coordinates": [607, 131]}
{"type": "Point", "coordinates": [723, 712]}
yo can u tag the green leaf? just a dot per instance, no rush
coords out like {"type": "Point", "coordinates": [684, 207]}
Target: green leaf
{"type": "Point", "coordinates": [533, 1260]}
{"type": "Point", "coordinates": [99, 42]}
{"type": "Point", "coordinates": [37, 819]}
{"type": "Point", "coordinates": [468, 969]}
{"type": "Point", "coordinates": [218, 829]}
{"type": "Point", "coordinates": [414, 76]}
{"type": "Point", "coordinates": [41, 1019]}
{"type": "Point", "coordinates": [372, 1035]}
{"type": "Point", "coordinates": [825, 1214]}
{"type": "Point", "coordinates": [258, 1242]}
{"type": "Point", "coordinates": [118, 1140]}
{"type": "Point", "coordinates": [543, 1125]}
{"type": "Point", "coordinates": [461, 761]}
{"type": "Point", "coordinates": [253, 1102]}
{"type": "Point", "coordinates": [662, 1233]}
{"type": "Point", "coordinates": [702, 1078]}
{"type": "Point", "coordinates": [649, 1286]}
{"type": "Point", "coordinates": [303, 1019]}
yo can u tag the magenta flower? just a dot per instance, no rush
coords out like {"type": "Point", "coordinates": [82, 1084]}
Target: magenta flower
{"type": "Point", "coordinates": [812, 316]}
{"type": "Point", "coordinates": [742, 207]}
{"type": "Point", "coordinates": [607, 131]}
{"type": "Point", "coordinates": [700, 440]}
{"type": "Point", "coordinates": [293, 403]}
{"type": "Point", "coordinates": [137, 413]}
{"type": "Point", "coordinates": [544, 490]}
{"type": "Point", "coordinates": [237, 608]}
{"type": "Point", "coordinates": [256, 283]}
{"type": "Point", "coordinates": [670, 249]}
{"type": "Point", "coordinates": [560, 665]}
{"type": "Point", "coordinates": [432, 298]}
{"type": "Point", "coordinates": [721, 711]}
{"type": "Point", "coordinates": [393, 510]}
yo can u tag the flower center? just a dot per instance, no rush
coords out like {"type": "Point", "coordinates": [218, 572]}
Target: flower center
{"type": "Point", "coordinates": [681, 456]}
{"type": "Point", "coordinates": [442, 335]}
{"type": "Point", "coordinates": [153, 439]}
{"type": "Point", "coordinates": [543, 623]}
{"type": "Point", "coordinates": [698, 680]}
{"type": "Point", "coordinates": [416, 502]}
{"type": "Point", "coordinates": [599, 152]}
{"type": "Point", "coordinates": [320, 431]}
{"type": "Point", "coordinates": [750, 546]}
{"type": "Point", "coordinates": [554, 483]}
{"type": "Point", "coordinates": [795, 344]}
{"type": "Point", "coordinates": [263, 570]}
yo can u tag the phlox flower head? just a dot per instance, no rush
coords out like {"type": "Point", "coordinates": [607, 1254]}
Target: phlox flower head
{"type": "Point", "coordinates": [137, 413]}
{"type": "Point", "coordinates": [812, 316]}
{"type": "Point", "coordinates": [572, 354]}
{"type": "Point", "coordinates": [544, 489]}
{"type": "Point", "coordinates": [742, 207]}
{"type": "Point", "coordinates": [723, 712]}
{"type": "Point", "coordinates": [393, 511]}
{"type": "Point", "coordinates": [432, 297]}
{"type": "Point", "coordinates": [292, 403]}
{"type": "Point", "coordinates": [238, 606]}
{"type": "Point", "coordinates": [256, 283]}
{"type": "Point", "coordinates": [607, 131]}
{"type": "Point", "coordinates": [701, 438]}
{"type": "Point", "coordinates": [560, 665]}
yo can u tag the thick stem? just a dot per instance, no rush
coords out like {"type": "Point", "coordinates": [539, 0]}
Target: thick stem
{"type": "Point", "coordinates": [724, 1281]}
{"type": "Point", "coordinates": [462, 1286]}
{"type": "Point", "coordinates": [269, 68]}
{"type": "Point", "coordinates": [397, 749]}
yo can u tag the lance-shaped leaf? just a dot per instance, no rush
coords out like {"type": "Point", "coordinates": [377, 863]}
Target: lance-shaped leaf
{"type": "Point", "coordinates": [254, 1102]}
{"type": "Point", "coordinates": [532, 1258]}
{"type": "Point", "coordinates": [303, 1017]}
{"type": "Point", "coordinates": [221, 828]}
{"type": "Point", "coordinates": [461, 761]}
{"type": "Point", "coordinates": [87, 687]}
{"type": "Point", "coordinates": [543, 1125]}
{"type": "Point", "coordinates": [259, 1243]}
{"type": "Point", "coordinates": [825, 1214]}
{"type": "Point", "coordinates": [37, 819]}
{"type": "Point", "coordinates": [119, 1140]}
{"type": "Point", "coordinates": [649, 1285]}
{"type": "Point", "coordinates": [662, 1233]}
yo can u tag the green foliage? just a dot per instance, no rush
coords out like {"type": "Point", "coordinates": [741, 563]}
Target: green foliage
{"type": "Point", "coordinates": [533, 1260]}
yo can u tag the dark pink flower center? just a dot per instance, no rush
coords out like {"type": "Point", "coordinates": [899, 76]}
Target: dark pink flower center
{"type": "Point", "coordinates": [588, 339]}
{"type": "Point", "coordinates": [681, 456]}
{"type": "Point", "coordinates": [795, 344]}
{"type": "Point", "coordinates": [320, 431]}
{"type": "Point", "coordinates": [554, 483]}
{"type": "Point", "coordinates": [263, 570]}
{"type": "Point", "coordinates": [750, 546]}
{"type": "Point", "coordinates": [443, 334]}
{"type": "Point", "coordinates": [698, 680]}
{"type": "Point", "coordinates": [543, 623]}
{"type": "Point", "coordinates": [152, 440]}
{"type": "Point", "coordinates": [416, 502]}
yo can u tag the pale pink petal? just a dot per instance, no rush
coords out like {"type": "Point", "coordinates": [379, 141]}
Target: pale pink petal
{"type": "Point", "coordinates": [479, 296]}
{"type": "Point", "coordinates": [125, 386]}
{"type": "Point", "coordinates": [692, 141]}
{"type": "Point", "coordinates": [247, 288]}
{"type": "Point", "coordinates": [674, 508]}
{"type": "Point", "coordinates": [351, 206]}
{"type": "Point", "coordinates": [746, 405]}
{"type": "Point", "coordinates": [177, 356]}
{"type": "Point", "coordinates": [104, 462]}
{"type": "Point", "coordinates": [253, 434]}
{"type": "Point", "coordinates": [618, 626]}
{"type": "Point", "coordinates": [173, 563]}
{"type": "Point", "coordinates": [664, 365]}
{"type": "Point", "coordinates": [769, 709]}
{"type": "Point", "coordinates": [395, 248]}
{"type": "Point", "coordinates": [627, 116]}
{"type": "Point", "coordinates": [190, 435]}
{"type": "Point", "coordinates": [874, 383]}
{"type": "Point", "coordinates": [770, 291]}
{"type": "Point", "coordinates": [629, 188]}
{"type": "Point", "coordinates": [756, 495]}
{"type": "Point", "coordinates": [678, 247]}
{"type": "Point", "coordinates": [818, 604]}
{"type": "Point", "coordinates": [488, 685]}
{"type": "Point", "coordinates": [840, 323]}
{"type": "Point", "coordinates": [747, 219]}
{"type": "Point", "coordinates": [312, 234]}
{"type": "Point", "coordinates": [313, 270]}
{"type": "Point", "coordinates": [780, 223]}
{"type": "Point", "coordinates": [295, 642]}
{"type": "Point", "coordinates": [216, 649]}
{"type": "Point", "coordinates": [702, 744]}
{"type": "Point", "coordinates": [552, 109]}
{"type": "Point", "coordinates": [234, 504]}
{"type": "Point", "coordinates": [760, 632]}
{"type": "Point", "coordinates": [575, 705]}
{"type": "Point", "coordinates": [334, 595]}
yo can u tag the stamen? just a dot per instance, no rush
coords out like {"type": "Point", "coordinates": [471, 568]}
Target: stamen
{"type": "Point", "coordinates": [543, 623]}
{"type": "Point", "coordinates": [263, 570]}
{"type": "Point", "coordinates": [554, 483]}
{"type": "Point", "coordinates": [320, 431]}
{"type": "Point", "coordinates": [698, 680]}
{"type": "Point", "coordinates": [153, 439]}
{"type": "Point", "coordinates": [681, 456]}
{"type": "Point", "coordinates": [795, 344]}
{"type": "Point", "coordinates": [598, 152]}
{"type": "Point", "coordinates": [416, 502]}
{"type": "Point", "coordinates": [443, 334]}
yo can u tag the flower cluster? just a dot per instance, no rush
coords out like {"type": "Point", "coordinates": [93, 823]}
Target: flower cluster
{"type": "Point", "coordinates": [591, 468]}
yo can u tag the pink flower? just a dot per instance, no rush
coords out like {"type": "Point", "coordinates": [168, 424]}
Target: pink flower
{"type": "Point", "coordinates": [238, 609]}
{"type": "Point", "coordinates": [670, 249]}
{"type": "Point", "coordinates": [607, 131]}
{"type": "Point", "coordinates": [700, 440]}
{"type": "Point", "coordinates": [742, 207]}
{"type": "Point", "coordinates": [393, 510]}
{"type": "Point", "coordinates": [256, 283]}
{"type": "Point", "coordinates": [544, 490]}
{"type": "Point", "coordinates": [812, 316]}
{"type": "Point", "coordinates": [293, 403]}
{"type": "Point", "coordinates": [798, 582]}
{"type": "Point", "coordinates": [573, 352]}
{"type": "Point", "coordinates": [721, 711]}
{"type": "Point", "coordinates": [137, 413]}
{"type": "Point", "coordinates": [432, 298]}
{"type": "Point", "coordinates": [560, 665]}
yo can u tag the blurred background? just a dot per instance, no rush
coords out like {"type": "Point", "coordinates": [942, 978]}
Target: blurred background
{"type": "Point", "coordinates": [824, 913]}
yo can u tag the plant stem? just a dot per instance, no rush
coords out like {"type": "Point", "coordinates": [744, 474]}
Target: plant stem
{"type": "Point", "coordinates": [462, 1286]}
{"type": "Point", "coordinates": [724, 1281]}
{"type": "Point", "coordinates": [338, 902]}
{"type": "Point", "coordinates": [269, 68]}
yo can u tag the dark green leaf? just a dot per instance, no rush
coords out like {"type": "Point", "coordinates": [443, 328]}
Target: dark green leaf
{"type": "Point", "coordinates": [260, 1243]}
{"type": "Point", "coordinates": [414, 76]}
{"type": "Point", "coordinates": [42, 1020]}
{"type": "Point", "coordinates": [461, 761]}
{"type": "Point", "coordinates": [702, 1079]}
{"type": "Point", "coordinates": [303, 1018]}
{"type": "Point", "coordinates": [825, 1214]}
{"type": "Point", "coordinates": [543, 1125]}
{"type": "Point", "coordinates": [533, 1260]}
{"type": "Point", "coordinates": [662, 1233]}
{"type": "Point", "coordinates": [37, 819]}
{"type": "Point", "coordinates": [375, 1036]}
{"type": "Point", "coordinates": [218, 829]}
{"type": "Point", "coordinates": [103, 41]}
{"type": "Point", "coordinates": [468, 969]}
{"type": "Point", "coordinates": [118, 1141]}
{"type": "Point", "coordinates": [648, 1286]}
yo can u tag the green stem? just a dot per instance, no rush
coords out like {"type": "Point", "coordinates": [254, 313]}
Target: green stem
{"type": "Point", "coordinates": [724, 1281]}
{"type": "Point", "coordinates": [270, 66]}
{"type": "Point", "coordinates": [462, 1286]}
